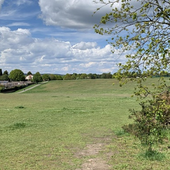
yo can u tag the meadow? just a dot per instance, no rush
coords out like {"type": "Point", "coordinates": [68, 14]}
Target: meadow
{"type": "Point", "coordinates": [52, 127]}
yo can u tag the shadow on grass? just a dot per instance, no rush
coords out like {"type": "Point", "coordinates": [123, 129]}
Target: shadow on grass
{"type": "Point", "coordinates": [121, 132]}
{"type": "Point", "coordinates": [152, 155]}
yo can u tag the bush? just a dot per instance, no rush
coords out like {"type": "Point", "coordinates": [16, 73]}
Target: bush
{"type": "Point", "coordinates": [151, 122]}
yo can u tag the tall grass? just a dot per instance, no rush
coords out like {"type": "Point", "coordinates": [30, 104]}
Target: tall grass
{"type": "Point", "coordinates": [45, 127]}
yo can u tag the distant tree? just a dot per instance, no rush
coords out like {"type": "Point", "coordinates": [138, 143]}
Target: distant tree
{"type": "Point", "coordinates": [0, 72]}
{"type": "Point", "coordinates": [52, 77]}
{"type": "Point", "coordinates": [106, 75]}
{"type": "Point", "coordinates": [91, 76]}
{"type": "Point", "coordinates": [4, 77]}
{"type": "Point", "coordinates": [59, 77]}
{"type": "Point", "coordinates": [6, 72]}
{"type": "Point", "coordinates": [83, 76]}
{"type": "Point", "coordinates": [67, 77]}
{"type": "Point", "coordinates": [73, 76]}
{"type": "Point", "coordinates": [29, 73]}
{"type": "Point", "coordinates": [17, 75]}
{"type": "Point", "coordinates": [37, 77]}
{"type": "Point", "coordinates": [45, 77]}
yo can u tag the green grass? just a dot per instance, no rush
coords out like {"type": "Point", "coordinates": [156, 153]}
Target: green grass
{"type": "Point", "coordinates": [45, 127]}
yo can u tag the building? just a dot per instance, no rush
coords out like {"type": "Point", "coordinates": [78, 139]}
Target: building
{"type": "Point", "coordinates": [29, 77]}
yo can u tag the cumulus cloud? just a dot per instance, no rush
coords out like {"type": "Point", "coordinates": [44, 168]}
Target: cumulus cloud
{"type": "Point", "coordinates": [74, 14]}
{"type": "Point", "coordinates": [85, 45]}
{"type": "Point", "coordinates": [20, 50]}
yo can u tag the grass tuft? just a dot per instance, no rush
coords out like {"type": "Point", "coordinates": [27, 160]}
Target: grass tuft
{"type": "Point", "coordinates": [17, 126]}
{"type": "Point", "coordinates": [19, 107]}
{"type": "Point", "coordinates": [121, 133]}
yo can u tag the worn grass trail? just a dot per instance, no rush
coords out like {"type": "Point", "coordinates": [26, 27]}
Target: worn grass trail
{"type": "Point", "coordinates": [48, 126]}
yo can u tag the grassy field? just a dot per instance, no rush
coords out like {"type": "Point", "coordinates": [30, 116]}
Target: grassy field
{"type": "Point", "coordinates": [48, 127]}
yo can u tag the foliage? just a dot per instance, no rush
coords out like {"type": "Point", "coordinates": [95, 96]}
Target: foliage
{"type": "Point", "coordinates": [37, 77]}
{"type": "Point", "coordinates": [152, 121]}
{"type": "Point", "coordinates": [59, 77]}
{"type": "Point", "coordinates": [6, 72]}
{"type": "Point", "coordinates": [52, 77]}
{"type": "Point", "coordinates": [141, 30]}
{"type": "Point", "coordinates": [4, 77]}
{"type": "Point", "coordinates": [67, 77]}
{"type": "Point", "coordinates": [45, 77]}
{"type": "Point", "coordinates": [74, 76]}
{"type": "Point", "coordinates": [0, 72]}
{"type": "Point", "coordinates": [106, 75]}
{"type": "Point", "coordinates": [92, 76]}
{"type": "Point", "coordinates": [83, 76]}
{"type": "Point", "coordinates": [17, 75]}
{"type": "Point", "coordinates": [29, 73]}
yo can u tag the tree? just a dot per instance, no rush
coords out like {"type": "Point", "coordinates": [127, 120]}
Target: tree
{"type": "Point", "coordinates": [45, 77]}
{"type": "Point", "coordinates": [74, 76]}
{"type": "Point", "coordinates": [52, 77]}
{"type": "Point", "coordinates": [141, 29]}
{"type": "Point", "coordinates": [106, 75]}
{"type": "Point", "coordinates": [83, 76]}
{"type": "Point", "coordinates": [29, 73]}
{"type": "Point", "coordinates": [4, 77]}
{"type": "Point", "coordinates": [59, 77]}
{"type": "Point", "coordinates": [67, 77]}
{"type": "Point", "coordinates": [37, 77]}
{"type": "Point", "coordinates": [17, 75]}
{"type": "Point", "coordinates": [91, 76]}
{"type": "Point", "coordinates": [6, 72]}
{"type": "Point", "coordinates": [0, 72]}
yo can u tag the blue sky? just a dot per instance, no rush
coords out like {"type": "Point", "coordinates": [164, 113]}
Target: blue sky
{"type": "Point", "coordinates": [53, 36]}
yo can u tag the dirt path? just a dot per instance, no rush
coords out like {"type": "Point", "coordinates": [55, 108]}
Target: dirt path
{"type": "Point", "coordinates": [32, 87]}
{"type": "Point", "coordinates": [95, 162]}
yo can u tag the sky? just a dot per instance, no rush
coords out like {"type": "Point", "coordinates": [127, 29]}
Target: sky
{"type": "Point", "coordinates": [54, 36]}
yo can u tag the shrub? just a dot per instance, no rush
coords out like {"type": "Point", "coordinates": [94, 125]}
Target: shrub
{"type": "Point", "coordinates": [151, 122]}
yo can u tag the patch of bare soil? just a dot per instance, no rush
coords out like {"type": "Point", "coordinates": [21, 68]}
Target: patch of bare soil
{"type": "Point", "coordinates": [96, 163]}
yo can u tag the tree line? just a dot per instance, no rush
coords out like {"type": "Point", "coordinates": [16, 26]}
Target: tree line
{"type": "Point", "coordinates": [18, 75]}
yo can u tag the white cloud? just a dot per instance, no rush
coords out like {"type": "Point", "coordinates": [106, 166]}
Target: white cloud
{"type": "Point", "coordinates": [16, 24]}
{"type": "Point", "coordinates": [85, 45]}
{"type": "Point", "coordinates": [76, 14]}
{"type": "Point", "coordinates": [20, 50]}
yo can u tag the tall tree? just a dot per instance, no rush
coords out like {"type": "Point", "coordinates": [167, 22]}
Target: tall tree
{"type": "Point", "coordinates": [29, 73]}
{"type": "Point", "coordinates": [6, 72]}
{"type": "Point", "coordinates": [141, 28]}
{"type": "Point", "coordinates": [17, 75]}
{"type": "Point", "coordinates": [0, 72]}
{"type": "Point", "coordinates": [37, 77]}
